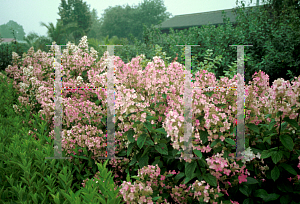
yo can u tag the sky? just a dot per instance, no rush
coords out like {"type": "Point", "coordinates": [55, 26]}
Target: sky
{"type": "Point", "coordinates": [30, 13]}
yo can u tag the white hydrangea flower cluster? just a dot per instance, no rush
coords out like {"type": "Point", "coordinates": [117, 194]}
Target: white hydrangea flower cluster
{"type": "Point", "coordinates": [33, 82]}
{"type": "Point", "coordinates": [79, 80]}
{"type": "Point", "coordinates": [28, 71]}
{"type": "Point", "coordinates": [94, 53]}
{"type": "Point", "coordinates": [23, 85]}
{"type": "Point", "coordinates": [15, 55]}
{"type": "Point", "coordinates": [23, 56]}
{"type": "Point", "coordinates": [103, 74]}
{"type": "Point", "coordinates": [143, 56]}
{"type": "Point", "coordinates": [279, 82]}
{"type": "Point", "coordinates": [72, 47]}
{"type": "Point", "coordinates": [65, 52]}
{"type": "Point", "coordinates": [200, 183]}
{"type": "Point", "coordinates": [127, 143]}
{"type": "Point", "coordinates": [83, 42]}
{"type": "Point", "coordinates": [248, 155]}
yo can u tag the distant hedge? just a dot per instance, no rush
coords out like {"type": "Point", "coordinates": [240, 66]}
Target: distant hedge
{"type": "Point", "coordinates": [6, 50]}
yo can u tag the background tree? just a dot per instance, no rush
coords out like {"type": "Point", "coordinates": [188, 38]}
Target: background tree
{"type": "Point", "coordinates": [275, 39]}
{"type": "Point", "coordinates": [150, 12]}
{"type": "Point", "coordinates": [278, 6]}
{"type": "Point", "coordinates": [30, 39]}
{"type": "Point", "coordinates": [287, 12]}
{"type": "Point", "coordinates": [6, 30]}
{"type": "Point", "coordinates": [277, 9]}
{"type": "Point", "coordinates": [115, 22]}
{"type": "Point", "coordinates": [41, 43]}
{"type": "Point", "coordinates": [7, 49]}
{"type": "Point", "coordinates": [122, 22]}
{"type": "Point", "coordinates": [114, 40]}
{"type": "Point", "coordinates": [59, 34]}
{"type": "Point", "coordinates": [75, 11]}
{"type": "Point", "coordinates": [37, 42]}
{"type": "Point", "coordinates": [95, 28]}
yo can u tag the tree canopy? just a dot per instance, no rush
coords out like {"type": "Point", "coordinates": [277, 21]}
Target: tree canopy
{"type": "Point", "coordinates": [273, 30]}
{"type": "Point", "coordinates": [95, 28]}
{"type": "Point", "coordinates": [122, 21]}
{"type": "Point", "coordinates": [6, 30]}
{"type": "Point", "coordinates": [78, 13]}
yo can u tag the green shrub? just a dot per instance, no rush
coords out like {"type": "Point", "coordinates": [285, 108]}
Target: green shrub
{"type": "Point", "coordinates": [25, 175]}
{"type": "Point", "coordinates": [6, 53]}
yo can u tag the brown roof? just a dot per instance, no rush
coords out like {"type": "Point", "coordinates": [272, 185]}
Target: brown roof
{"type": "Point", "coordinates": [7, 39]}
{"type": "Point", "coordinates": [10, 40]}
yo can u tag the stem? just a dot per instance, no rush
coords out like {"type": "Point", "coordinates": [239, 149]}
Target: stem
{"type": "Point", "coordinates": [279, 127]}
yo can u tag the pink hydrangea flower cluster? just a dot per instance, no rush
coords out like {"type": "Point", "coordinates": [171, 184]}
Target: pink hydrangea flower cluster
{"type": "Point", "coordinates": [156, 77]}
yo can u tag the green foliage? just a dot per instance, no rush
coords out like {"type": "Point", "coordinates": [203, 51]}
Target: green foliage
{"type": "Point", "coordinates": [30, 39]}
{"type": "Point", "coordinates": [6, 30]}
{"type": "Point", "coordinates": [41, 44]}
{"type": "Point", "coordinates": [78, 13]}
{"type": "Point", "coordinates": [95, 28]}
{"type": "Point", "coordinates": [250, 192]}
{"type": "Point", "coordinates": [123, 21]}
{"type": "Point", "coordinates": [274, 40]}
{"type": "Point", "coordinates": [6, 50]}
{"type": "Point", "coordinates": [92, 42]}
{"type": "Point", "coordinates": [55, 181]}
{"type": "Point", "coordinates": [61, 34]}
{"type": "Point", "coordinates": [277, 7]}
{"type": "Point", "coordinates": [61, 178]}
{"type": "Point", "coordinates": [106, 41]}
{"type": "Point", "coordinates": [37, 42]}
{"type": "Point", "coordinates": [26, 176]}
{"type": "Point", "coordinates": [156, 13]}
{"type": "Point", "coordinates": [105, 184]}
{"type": "Point", "coordinates": [254, 191]}
{"type": "Point", "coordinates": [274, 51]}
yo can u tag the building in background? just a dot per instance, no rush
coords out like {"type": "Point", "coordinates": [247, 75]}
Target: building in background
{"type": "Point", "coordinates": [10, 40]}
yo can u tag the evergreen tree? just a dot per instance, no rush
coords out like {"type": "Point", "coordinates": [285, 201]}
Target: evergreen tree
{"type": "Point", "coordinates": [77, 12]}
{"type": "Point", "coordinates": [95, 28]}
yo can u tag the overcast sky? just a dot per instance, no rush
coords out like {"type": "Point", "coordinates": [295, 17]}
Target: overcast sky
{"type": "Point", "coordinates": [29, 13]}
